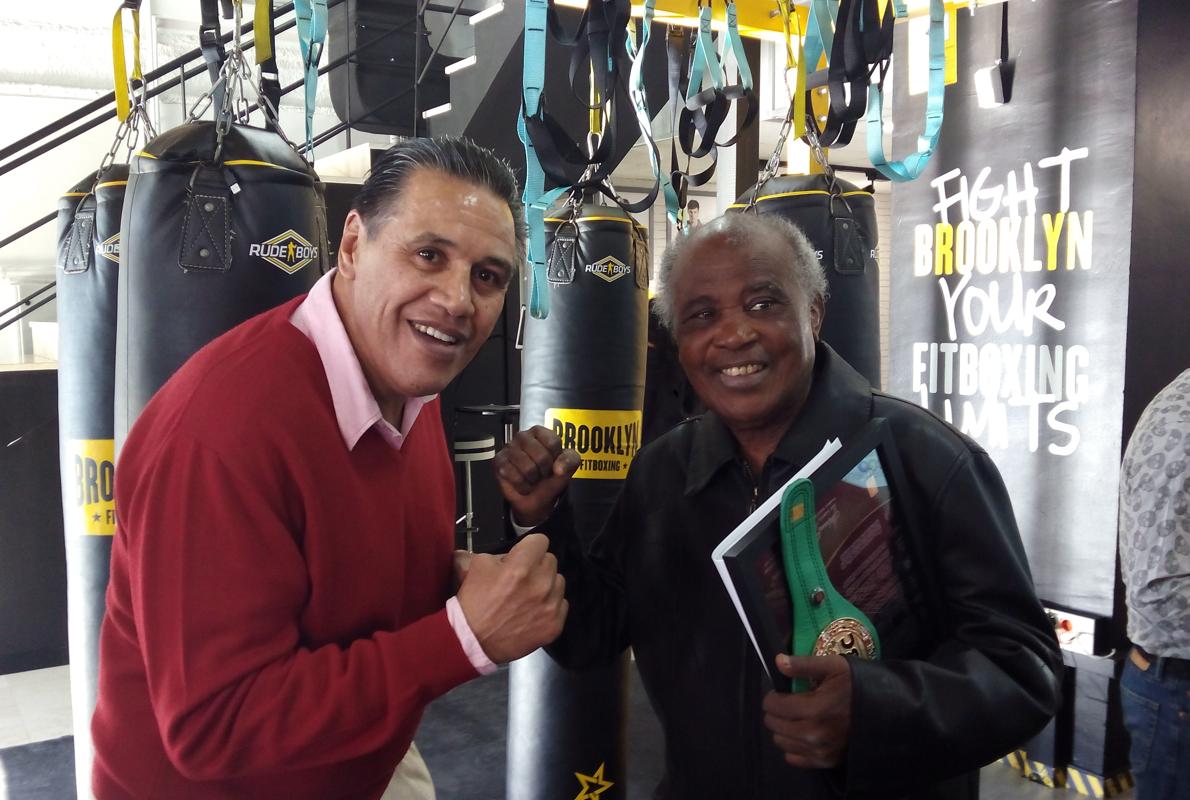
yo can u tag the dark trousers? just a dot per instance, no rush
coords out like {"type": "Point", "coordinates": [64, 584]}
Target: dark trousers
{"type": "Point", "coordinates": [1156, 705]}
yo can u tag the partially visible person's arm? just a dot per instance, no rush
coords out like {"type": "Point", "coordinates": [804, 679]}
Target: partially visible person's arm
{"type": "Point", "coordinates": [219, 584]}
{"type": "Point", "coordinates": [991, 682]}
{"type": "Point", "coordinates": [534, 471]}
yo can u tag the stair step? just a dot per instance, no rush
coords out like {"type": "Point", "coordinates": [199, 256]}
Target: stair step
{"type": "Point", "coordinates": [487, 13]}
{"type": "Point", "coordinates": [435, 111]}
{"type": "Point", "coordinates": [461, 64]}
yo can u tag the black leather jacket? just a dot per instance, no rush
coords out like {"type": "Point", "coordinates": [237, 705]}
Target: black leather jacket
{"type": "Point", "coordinates": [962, 687]}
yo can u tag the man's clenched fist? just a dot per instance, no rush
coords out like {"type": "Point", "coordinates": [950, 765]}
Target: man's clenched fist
{"type": "Point", "coordinates": [514, 603]}
{"type": "Point", "coordinates": [533, 470]}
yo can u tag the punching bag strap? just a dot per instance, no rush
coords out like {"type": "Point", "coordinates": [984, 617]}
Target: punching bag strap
{"type": "Point", "coordinates": [207, 224]}
{"type": "Point", "coordinates": [266, 59]}
{"type": "Point", "coordinates": [912, 165]}
{"type": "Point", "coordinates": [849, 247]}
{"type": "Point", "coordinates": [209, 41]}
{"type": "Point", "coordinates": [563, 261]}
{"type": "Point", "coordinates": [119, 63]}
{"type": "Point", "coordinates": [77, 254]}
{"type": "Point", "coordinates": [311, 25]}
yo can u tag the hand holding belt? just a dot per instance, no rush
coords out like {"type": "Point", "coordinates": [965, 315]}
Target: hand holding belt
{"type": "Point", "coordinates": [825, 623]}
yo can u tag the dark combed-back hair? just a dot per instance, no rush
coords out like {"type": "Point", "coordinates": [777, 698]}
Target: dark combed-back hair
{"type": "Point", "coordinates": [740, 230]}
{"type": "Point", "coordinates": [452, 155]}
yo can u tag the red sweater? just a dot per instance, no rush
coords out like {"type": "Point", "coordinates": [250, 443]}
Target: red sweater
{"type": "Point", "coordinates": [275, 618]}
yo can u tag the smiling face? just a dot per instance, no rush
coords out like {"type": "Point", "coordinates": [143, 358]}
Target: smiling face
{"type": "Point", "coordinates": [421, 285]}
{"type": "Point", "coordinates": [745, 331]}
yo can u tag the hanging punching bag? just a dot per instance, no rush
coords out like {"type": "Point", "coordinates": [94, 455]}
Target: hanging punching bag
{"type": "Point", "coordinates": [88, 265]}
{"type": "Point", "coordinates": [583, 375]}
{"type": "Point", "coordinates": [212, 235]}
{"type": "Point", "coordinates": [842, 230]}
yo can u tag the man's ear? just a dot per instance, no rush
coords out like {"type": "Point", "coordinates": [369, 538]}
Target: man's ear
{"type": "Point", "coordinates": [353, 232]}
{"type": "Point", "coordinates": [817, 312]}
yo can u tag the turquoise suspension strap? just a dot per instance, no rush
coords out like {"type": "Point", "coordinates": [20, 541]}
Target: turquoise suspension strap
{"type": "Point", "coordinates": [636, 88]}
{"type": "Point", "coordinates": [536, 199]}
{"type": "Point", "coordinates": [912, 165]}
{"type": "Point", "coordinates": [311, 26]}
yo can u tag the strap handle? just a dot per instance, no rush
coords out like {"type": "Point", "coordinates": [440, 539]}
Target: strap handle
{"type": "Point", "coordinates": [912, 165]}
{"type": "Point", "coordinates": [212, 49]}
{"type": "Point", "coordinates": [266, 59]}
{"type": "Point", "coordinates": [119, 63]}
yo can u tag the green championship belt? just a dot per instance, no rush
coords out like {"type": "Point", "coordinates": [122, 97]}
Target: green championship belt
{"type": "Point", "coordinates": [825, 623]}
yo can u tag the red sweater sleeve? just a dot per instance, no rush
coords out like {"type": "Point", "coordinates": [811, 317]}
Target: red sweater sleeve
{"type": "Point", "coordinates": [218, 584]}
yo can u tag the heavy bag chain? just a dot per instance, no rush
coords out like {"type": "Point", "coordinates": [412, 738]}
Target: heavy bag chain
{"type": "Point", "coordinates": [238, 84]}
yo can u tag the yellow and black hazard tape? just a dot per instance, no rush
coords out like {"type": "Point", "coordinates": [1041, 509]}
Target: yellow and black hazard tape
{"type": "Point", "coordinates": [1092, 785]}
{"type": "Point", "coordinates": [1053, 777]}
{"type": "Point", "coordinates": [1017, 760]}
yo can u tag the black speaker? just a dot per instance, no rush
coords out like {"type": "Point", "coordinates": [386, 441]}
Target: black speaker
{"type": "Point", "coordinates": [373, 91]}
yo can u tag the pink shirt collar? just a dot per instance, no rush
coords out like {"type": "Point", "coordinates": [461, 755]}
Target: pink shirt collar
{"type": "Point", "coordinates": [356, 409]}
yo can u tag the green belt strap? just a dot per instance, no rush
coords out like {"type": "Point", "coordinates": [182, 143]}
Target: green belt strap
{"type": "Point", "coordinates": [824, 621]}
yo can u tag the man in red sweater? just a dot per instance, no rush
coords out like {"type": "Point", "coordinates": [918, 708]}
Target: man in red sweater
{"type": "Point", "coordinates": [280, 610]}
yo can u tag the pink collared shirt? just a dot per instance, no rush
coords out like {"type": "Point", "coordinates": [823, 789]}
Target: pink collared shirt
{"type": "Point", "coordinates": [356, 410]}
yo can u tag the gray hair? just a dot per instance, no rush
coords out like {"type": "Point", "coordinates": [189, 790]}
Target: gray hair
{"type": "Point", "coordinates": [452, 155]}
{"type": "Point", "coordinates": [740, 229]}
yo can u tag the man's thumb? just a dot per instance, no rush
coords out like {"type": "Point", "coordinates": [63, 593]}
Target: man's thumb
{"type": "Point", "coordinates": [566, 464]}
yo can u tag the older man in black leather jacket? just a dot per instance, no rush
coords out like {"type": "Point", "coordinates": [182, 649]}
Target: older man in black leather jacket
{"type": "Point", "coordinates": [972, 675]}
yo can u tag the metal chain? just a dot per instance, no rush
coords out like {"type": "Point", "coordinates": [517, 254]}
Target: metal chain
{"type": "Point", "coordinates": [240, 83]}
{"type": "Point", "coordinates": [774, 163]}
{"type": "Point", "coordinates": [820, 156]}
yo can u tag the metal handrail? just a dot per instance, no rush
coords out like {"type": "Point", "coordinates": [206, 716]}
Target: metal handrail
{"type": "Point", "coordinates": [30, 309]}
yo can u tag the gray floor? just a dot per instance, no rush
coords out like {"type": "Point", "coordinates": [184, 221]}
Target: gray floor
{"type": "Point", "coordinates": [462, 737]}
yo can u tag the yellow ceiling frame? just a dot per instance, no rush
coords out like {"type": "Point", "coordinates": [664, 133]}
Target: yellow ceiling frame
{"type": "Point", "coordinates": [758, 19]}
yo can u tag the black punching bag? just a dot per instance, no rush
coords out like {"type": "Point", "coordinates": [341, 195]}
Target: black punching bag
{"type": "Point", "coordinates": [211, 237]}
{"type": "Point", "coordinates": [583, 375]}
{"type": "Point", "coordinates": [88, 266]}
{"type": "Point", "coordinates": [843, 231]}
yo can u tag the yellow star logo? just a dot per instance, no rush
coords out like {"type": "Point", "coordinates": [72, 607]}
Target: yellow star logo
{"type": "Point", "coordinates": [593, 785]}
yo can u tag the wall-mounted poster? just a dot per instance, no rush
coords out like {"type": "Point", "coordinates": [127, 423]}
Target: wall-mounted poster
{"type": "Point", "coordinates": [1010, 272]}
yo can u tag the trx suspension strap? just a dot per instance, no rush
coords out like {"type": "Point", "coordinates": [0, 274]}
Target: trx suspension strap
{"type": "Point", "coordinates": [820, 32]}
{"type": "Point", "coordinates": [705, 110]}
{"type": "Point", "coordinates": [311, 26]}
{"type": "Point", "coordinates": [862, 44]}
{"type": "Point", "coordinates": [536, 199]}
{"type": "Point", "coordinates": [603, 35]}
{"type": "Point", "coordinates": [912, 165]}
{"type": "Point", "coordinates": [636, 88]}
